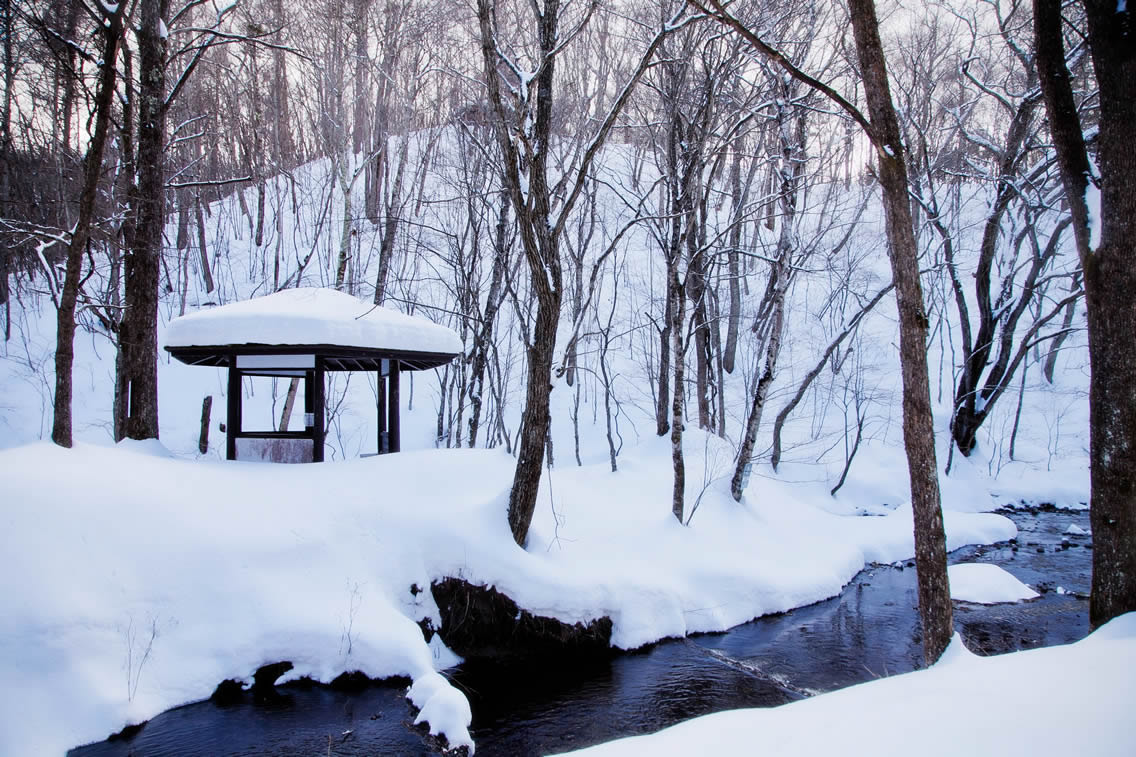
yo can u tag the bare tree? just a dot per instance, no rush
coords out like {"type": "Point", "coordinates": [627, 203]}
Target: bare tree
{"type": "Point", "coordinates": [1103, 208]}
{"type": "Point", "coordinates": [918, 427]}
{"type": "Point", "coordinates": [521, 97]}
{"type": "Point", "coordinates": [111, 27]}
{"type": "Point", "coordinates": [789, 120]}
{"type": "Point", "coordinates": [1019, 250]}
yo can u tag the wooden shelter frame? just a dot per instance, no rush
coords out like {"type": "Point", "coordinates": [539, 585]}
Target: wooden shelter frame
{"type": "Point", "coordinates": [311, 362]}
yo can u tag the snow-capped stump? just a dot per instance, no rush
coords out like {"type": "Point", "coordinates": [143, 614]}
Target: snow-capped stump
{"type": "Point", "coordinates": [985, 583]}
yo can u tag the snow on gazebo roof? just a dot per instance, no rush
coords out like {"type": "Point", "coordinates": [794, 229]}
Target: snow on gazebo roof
{"type": "Point", "coordinates": [308, 319]}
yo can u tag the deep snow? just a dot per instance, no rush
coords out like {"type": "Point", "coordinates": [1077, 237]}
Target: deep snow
{"type": "Point", "coordinates": [135, 581]}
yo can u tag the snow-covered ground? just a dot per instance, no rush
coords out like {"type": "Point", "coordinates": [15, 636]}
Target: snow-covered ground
{"type": "Point", "coordinates": [135, 581]}
{"type": "Point", "coordinates": [1074, 699]}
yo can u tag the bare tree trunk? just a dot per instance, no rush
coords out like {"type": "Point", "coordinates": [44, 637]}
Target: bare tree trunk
{"type": "Point", "coordinates": [760, 393]}
{"type": "Point", "coordinates": [739, 192]}
{"type": "Point", "coordinates": [290, 403]}
{"type": "Point", "coordinates": [662, 404]}
{"type": "Point", "coordinates": [1066, 326]}
{"type": "Point", "coordinates": [676, 306]}
{"type": "Point", "coordinates": [483, 341]}
{"type": "Point", "coordinates": [92, 167]}
{"type": "Point", "coordinates": [534, 427]}
{"type": "Point", "coordinates": [532, 209]}
{"type": "Point", "coordinates": [202, 250]}
{"type": "Point", "coordinates": [6, 153]}
{"type": "Point", "coordinates": [918, 424]}
{"type": "Point", "coordinates": [393, 210]}
{"type": "Point", "coordinates": [258, 236]}
{"type": "Point", "coordinates": [143, 261]}
{"type": "Point", "coordinates": [533, 194]}
{"type": "Point", "coordinates": [1107, 247]}
{"type": "Point", "coordinates": [360, 131]}
{"type": "Point", "coordinates": [973, 401]}
{"type": "Point", "coordinates": [346, 228]}
{"type": "Point", "coordinates": [791, 173]}
{"type": "Point", "coordinates": [703, 356]}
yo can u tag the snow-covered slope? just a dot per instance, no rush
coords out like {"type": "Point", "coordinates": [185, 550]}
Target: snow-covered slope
{"type": "Point", "coordinates": [134, 581]}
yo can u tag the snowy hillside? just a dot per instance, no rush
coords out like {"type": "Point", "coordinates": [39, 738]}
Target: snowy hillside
{"type": "Point", "coordinates": [170, 570]}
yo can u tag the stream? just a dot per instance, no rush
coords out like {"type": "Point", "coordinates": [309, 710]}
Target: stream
{"type": "Point", "coordinates": [869, 631]}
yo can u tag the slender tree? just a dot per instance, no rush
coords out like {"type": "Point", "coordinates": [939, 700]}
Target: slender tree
{"type": "Point", "coordinates": [111, 26]}
{"type": "Point", "coordinates": [521, 98]}
{"type": "Point", "coordinates": [882, 128]}
{"type": "Point", "coordinates": [918, 423]}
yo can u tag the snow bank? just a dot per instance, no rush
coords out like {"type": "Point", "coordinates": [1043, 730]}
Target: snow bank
{"type": "Point", "coordinates": [1075, 699]}
{"type": "Point", "coordinates": [311, 315]}
{"type": "Point", "coordinates": [986, 584]}
{"type": "Point", "coordinates": [135, 581]}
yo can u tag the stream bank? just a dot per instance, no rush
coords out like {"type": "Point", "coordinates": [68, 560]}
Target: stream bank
{"type": "Point", "coordinates": [870, 630]}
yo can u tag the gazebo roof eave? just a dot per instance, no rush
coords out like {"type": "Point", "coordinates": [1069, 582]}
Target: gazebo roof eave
{"type": "Point", "coordinates": [332, 356]}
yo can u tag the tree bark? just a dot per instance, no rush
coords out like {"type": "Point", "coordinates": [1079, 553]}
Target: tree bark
{"type": "Point", "coordinates": [918, 425]}
{"type": "Point", "coordinates": [537, 419]}
{"type": "Point", "coordinates": [1109, 265]}
{"type": "Point", "coordinates": [676, 308]}
{"type": "Point", "coordinates": [92, 167]}
{"type": "Point", "coordinates": [143, 260]}
{"type": "Point", "coordinates": [973, 400]}
{"type": "Point", "coordinates": [663, 401]}
{"type": "Point", "coordinates": [202, 250]}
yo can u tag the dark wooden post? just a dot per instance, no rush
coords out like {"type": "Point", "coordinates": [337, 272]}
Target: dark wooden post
{"type": "Point", "coordinates": [233, 421]}
{"type": "Point", "coordinates": [203, 438]}
{"type": "Point", "coordinates": [381, 411]}
{"type": "Point", "coordinates": [393, 427]}
{"type": "Point", "coordinates": [318, 408]}
{"type": "Point", "coordinates": [309, 400]}
{"type": "Point", "coordinates": [310, 409]}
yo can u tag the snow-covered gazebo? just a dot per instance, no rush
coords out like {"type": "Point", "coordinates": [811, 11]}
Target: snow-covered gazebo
{"type": "Point", "coordinates": [302, 334]}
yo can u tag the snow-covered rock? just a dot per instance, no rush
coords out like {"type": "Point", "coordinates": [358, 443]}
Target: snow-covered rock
{"type": "Point", "coordinates": [986, 584]}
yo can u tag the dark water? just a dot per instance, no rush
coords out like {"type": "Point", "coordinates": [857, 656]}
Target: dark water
{"type": "Point", "coordinates": [521, 708]}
